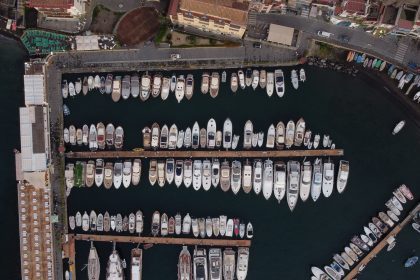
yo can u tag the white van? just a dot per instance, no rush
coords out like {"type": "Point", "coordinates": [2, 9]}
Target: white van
{"type": "Point", "coordinates": [324, 34]}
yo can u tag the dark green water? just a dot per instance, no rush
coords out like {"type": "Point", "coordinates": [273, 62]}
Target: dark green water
{"type": "Point", "coordinates": [358, 114]}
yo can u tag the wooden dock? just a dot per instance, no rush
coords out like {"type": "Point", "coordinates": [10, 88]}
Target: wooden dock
{"type": "Point", "coordinates": [70, 253]}
{"type": "Point", "coordinates": [165, 240]}
{"type": "Point", "coordinates": [382, 244]}
{"type": "Point", "coordinates": [207, 154]}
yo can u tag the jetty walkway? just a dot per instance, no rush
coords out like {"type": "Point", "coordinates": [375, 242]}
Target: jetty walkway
{"type": "Point", "coordinates": [382, 244]}
{"type": "Point", "coordinates": [206, 153]}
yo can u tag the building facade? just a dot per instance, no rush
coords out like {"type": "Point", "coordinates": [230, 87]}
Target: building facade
{"type": "Point", "coordinates": [224, 17]}
{"type": "Point", "coordinates": [64, 9]}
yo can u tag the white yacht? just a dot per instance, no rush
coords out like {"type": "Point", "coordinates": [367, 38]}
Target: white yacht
{"type": "Point", "coordinates": [305, 180]}
{"type": "Point", "coordinates": [280, 135]}
{"type": "Point", "coordinates": [179, 172]}
{"type": "Point", "coordinates": [236, 175]}
{"type": "Point", "coordinates": [166, 84]}
{"type": "Point", "coordinates": [215, 172]}
{"type": "Point", "coordinates": [117, 174]}
{"type": "Point", "coordinates": [241, 78]}
{"type": "Point", "coordinates": [257, 176]}
{"type": "Point", "coordinates": [295, 79]}
{"type": "Point", "coordinates": [293, 171]}
{"type": "Point", "coordinates": [279, 180]}
{"type": "Point", "coordinates": [197, 168]}
{"type": "Point", "coordinates": [145, 86]}
{"type": "Point", "coordinates": [247, 177]}
{"type": "Point", "coordinates": [126, 173]}
{"type": "Point", "coordinates": [270, 84]}
{"type": "Point", "coordinates": [169, 170]}
{"type": "Point", "coordinates": [206, 174]}
{"type": "Point", "coordinates": [99, 172]}
{"type": "Point", "coordinates": [271, 135]}
{"type": "Point", "coordinates": [328, 179]}
{"type": "Point", "coordinates": [164, 134]}
{"type": "Point", "coordinates": [267, 179]}
{"type": "Point", "coordinates": [227, 134]}
{"type": "Point", "coordinates": [195, 136]}
{"type": "Point", "coordinates": [188, 173]}
{"type": "Point", "coordinates": [343, 175]}
{"type": "Point", "coordinates": [316, 179]}
{"type": "Point", "coordinates": [187, 138]}
{"type": "Point", "coordinates": [180, 88]}
{"type": "Point", "coordinates": [248, 132]}
{"type": "Point", "coordinates": [189, 88]}
{"type": "Point", "coordinates": [279, 79]}
{"type": "Point", "coordinates": [242, 266]}
{"type": "Point", "coordinates": [173, 137]}
{"type": "Point", "coordinates": [211, 133]}
{"type": "Point", "coordinates": [255, 79]}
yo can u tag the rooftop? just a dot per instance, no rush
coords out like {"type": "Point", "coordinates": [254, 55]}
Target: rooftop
{"type": "Point", "coordinates": [51, 4]}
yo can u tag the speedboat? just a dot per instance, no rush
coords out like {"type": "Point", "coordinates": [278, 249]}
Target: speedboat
{"type": "Point", "coordinates": [316, 179]}
{"type": "Point", "coordinates": [173, 137]}
{"type": "Point", "coordinates": [93, 143]}
{"type": "Point", "coordinates": [180, 88]}
{"type": "Point", "coordinates": [126, 173]}
{"type": "Point", "coordinates": [136, 172]}
{"type": "Point", "coordinates": [197, 168]}
{"type": "Point", "coordinates": [225, 176]}
{"type": "Point", "coordinates": [166, 84]}
{"type": "Point", "coordinates": [189, 88]}
{"type": "Point", "coordinates": [279, 80]}
{"type": "Point", "coordinates": [293, 171]}
{"type": "Point", "coordinates": [215, 172]}
{"type": "Point", "coordinates": [290, 134]}
{"type": "Point", "coordinates": [247, 177]}
{"type": "Point", "coordinates": [242, 267]}
{"type": "Point", "coordinates": [328, 179]}
{"type": "Point", "coordinates": [228, 264]}
{"type": "Point", "coordinates": [248, 77]}
{"type": "Point", "coordinates": [116, 89]}
{"type": "Point", "coordinates": [155, 136]}
{"type": "Point", "coordinates": [161, 173]}
{"type": "Point", "coordinates": [267, 187]}
{"type": "Point", "coordinates": [100, 136]}
{"type": "Point", "coordinates": [241, 78]}
{"type": "Point", "coordinates": [164, 134]}
{"type": "Point", "coordinates": [155, 223]}
{"type": "Point", "coordinates": [119, 138]}
{"type": "Point", "coordinates": [173, 83]}
{"type": "Point", "coordinates": [223, 224]}
{"type": "Point", "coordinates": [263, 79]}
{"type": "Point", "coordinates": [234, 82]}
{"type": "Point", "coordinates": [271, 135]}
{"type": "Point", "coordinates": [305, 180]}
{"type": "Point", "coordinates": [270, 84]}
{"type": "Point", "coordinates": [248, 132]}
{"type": "Point", "coordinates": [236, 173]}
{"type": "Point", "coordinates": [295, 80]}
{"type": "Point", "coordinates": [299, 132]}
{"type": "Point", "coordinates": [164, 225]}
{"type": "Point", "coordinates": [411, 261]}
{"type": "Point", "coordinates": [302, 75]}
{"type": "Point", "coordinates": [179, 172]}
{"type": "Point", "coordinates": [279, 180]}
{"type": "Point", "coordinates": [187, 138]}
{"type": "Point", "coordinates": [186, 224]}
{"type": "Point", "coordinates": [135, 85]}
{"type": "Point", "coordinates": [145, 86]}
{"type": "Point", "coordinates": [398, 127]}
{"type": "Point", "coordinates": [195, 136]}
{"type": "Point", "coordinates": [206, 174]}
{"type": "Point", "coordinates": [188, 173]}
{"type": "Point", "coordinates": [131, 223]}
{"type": "Point", "coordinates": [214, 84]}
{"type": "Point", "coordinates": [280, 135]}
{"type": "Point", "coordinates": [152, 171]}
{"type": "Point", "coordinates": [211, 133]}
{"type": "Point", "coordinates": [136, 264]}
{"type": "Point", "coordinates": [343, 175]}
{"type": "Point", "coordinates": [406, 192]}
{"type": "Point", "coordinates": [257, 176]}
{"type": "Point", "coordinates": [169, 170]}
{"type": "Point", "coordinates": [205, 83]}
{"type": "Point", "coordinates": [125, 87]}
{"type": "Point", "coordinates": [157, 84]}
{"type": "Point", "coordinates": [255, 79]}
{"type": "Point", "coordinates": [227, 134]}
{"type": "Point", "coordinates": [110, 135]}
{"type": "Point", "coordinates": [200, 270]}
{"type": "Point", "coordinates": [118, 166]}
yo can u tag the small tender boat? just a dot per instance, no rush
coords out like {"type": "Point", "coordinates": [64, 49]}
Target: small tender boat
{"type": "Point", "coordinates": [302, 75]}
{"type": "Point", "coordinates": [398, 127]}
{"type": "Point", "coordinates": [205, 83]}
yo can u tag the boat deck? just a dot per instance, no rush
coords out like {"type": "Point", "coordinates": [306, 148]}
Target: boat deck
{"type": "Point", "coordinates": [383, 243]}
{"type": "Point", "coordinates": [207, 154]}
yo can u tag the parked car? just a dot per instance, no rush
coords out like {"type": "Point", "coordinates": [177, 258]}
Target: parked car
{"type": "Point", "coordinates": [175, 56]}
{"type": "Point", "coordinates": [257, 45]}
{"type": "Point", "coordinates": [324, 34]}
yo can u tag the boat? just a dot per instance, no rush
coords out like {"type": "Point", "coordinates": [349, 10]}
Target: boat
{"type": "Point", "coordinates": [227, 134]}
{"type": "Point", "coordinates": [108, 175]}
{"type": "Point", "coordinates": [93, 143]}
{"type": "Point", "coordinates": [302, 75]}
{"type": "Point", "coordinates": [224, 76]}
{"type": "Point", "coordinates": [317, 138]}
{"type": "Point", "coordinates": [290, 134]}
{"type": "Point", "coordinates": [215, 172]}
{"type": "Point", "coordinates": [235, 181]}
{"type": "Point", "coordinates": [280, 135]}
{"type": "Point", "coordinates": [166, 84]}
{"type": "Point", "coordinates": [155, 136]}
{"type": "Point", "coordinates": [319, 273]}
{"type": "Point", "coordinates": [136, 172]}
{"type": "Point", "coordinates": [155, 223]}
{"type": "Point", "coordinates": [180, 88]}
{"type": "Point", "coordinates": [173, 83]}
{"type": "Point", "coordinates": [110, 135]}
{"type": "Point", "coordinates": [242, 266]}
{"type": "Point", "coordinates": [187, 138]}
{"type": "Point", "coordinates": [125, 87]}
{"type": "Point", "coordinates": [270, 84]}
{"type": "Point", "coordinates": [64, 89]}
{"type": "Point", "coordinates": [260, 139]}
{"type": "Point", "coordinates": [248, 132]}
{"type": "Point", "coordinates": [267, 185]}
{"type": "Point", "coordinates": [279, 189]}
{"type": "Point", "coordinates": [136, 264]}
{"type": "Point", "coordinates": [189, 89]}
{"type": "Point", "coordinates": [305, 180]}
{"type": "Point", "coordinates": [410, 262]}
{"type": "Point", "coordinates": [100, 137]}
{"type": "Point", "coordinates": [173, 137]}
{"type": "Point", "coordinates": [416, 227]}
{"type": "Point", "coordinates": [375, 230]}
{"type": "Point", "coordinates": [188, 171]}
{"type": "Point", "coordinates": [85, 135]}
{"type": "Point", "coordinates": [248, 77]}
{"type": "Point", "coordinates": [119, 138]}
{"type": "Point", "coordinates": [161, 173]}
{"type": "Point", "coordinates": [360, 243]}
{"type": "Point", "coordinates": [93, 266]}
{"type": "Point", "coordinates": [219, 139]}
{"type": "Point", "coordinates": [356, 249]}
{"type": "Point", "coordinates": [211, 134]}
{"type": "Point", "coordinates": [114, 270]}
{"type": "Point", "coordinates": [156, 86]}
{"type": "Point", "coordinates": [134, 85]}
{"type": "Point", "coordinates": [152, 171]}
{"type": "Point", "coordinates": [197, 177]}
{"type": "Point", "coordinates": [69, 175]}
{"type": "Point", "coordinates": [325, 140]}
{"type": "Point", "coordinates": [90, 173]}
{"type": "Point", "coordinates": [229, 264]}
{"type": "Point", "coordinates": [200, 270]}
{"type": "Point", "coordinates": [223, 223]}
{"type": "Point", "coordinates": [195, 136]}
{"type": "Point", "coordinates": [71, 89]}
{"type": "Point", "coordinates": [186, 224]}
{"type": "Point", "coordinates": [332, 273]}
{"type": "Point", "coordinates": [370, 235]}
{"type": "Point", "coordinates": [139, 224]}
{"type": "Point", "coordinates": [66, 135]}
{"type": "Point", "coordinates": [295, 80]}
{"type": "Point", "coordinates": [179, 172]}
{"type": "Point", "coordinates": [235, 141]}
{"type": "Point", "coordinates": [293, 172]}
{"type": "Point", "coordinates": [215, 264]}
{"type": "Point", "coordinates": [78, 85]}
{"type": "Point", "coordinates": [184, 264]}
{"type": "Point", "coordinates": [234, 82]}
{"type": "Point", "coordinates": [255, 79]}
{"type": "Point", "coordinates": [206, 174]}
{"type": "Point", "coordinates": [126, 173]}
{"type": "Point", "coordinates": [85, 85]}
{"type": "Point", "coordinates": [398, 127]}
{"type": "Point", "coordinates": [164, 225]}
{"type": "Point", "coordinates": [249, 231]}
{"type": "Point", "coordinates": [209, 227]}
{"type": "Point", "coordinates": [343, 175]}
{"type": "Point", "coordinates": [241, 77]}
{"type": "Point", "coordinates": [171, 226]}
{"type": "Point", "coordinates": [341, 262]}
{"type": "Point", "coordinates": [391, 215]}
{"type": "Point", "coordinates": [178, 224]}
{"type": "Point", "coordinates": [257, 176]}
{"type": "Point", "coordinates": [85, 222]}
{"type": "Point", "coordinates": [316, 179]}
{"type": "Point", "coordinates": [145, 86]}
{"type": "Point", "coordinates": [107, 225]}
{"type": "Point", "coordinates": [216, 226]}
{"type": "Point", "coordinates": [380, 225]}
{"type": "Point", "coordinates": [202, 227]}
{"type": "Point", "coordinates": [118, 166]}
{"type": "Point", "coordinates": [328, 178]}
{"type": "Point", "coordinates": [205, 83]}
{"type": "Point", "coordinates": [79, 136]}
{"type": "Point", "coordinates": [299, 132]}
{"type": "Point", "coordinates": [399, 75]}
{"type": "Point", "coordinates": [214, 84]}
{"type": "Point", "coordinates": [72, 222]}
{"type": "Point", "coordinates": [163, 137]}
{"type": "Point", "coordinates": [92, 220]}
{"type": "Point", "coordinates": [131, 223]}
{"type": "Point", "coordinates": [271, 137]}
{"type": "Point", "coordinates": [203, 138]}
{"type": "Point", "coordinates": [399, 195]}
{"type": "Point", "coordinates": [247, 177]}
{"type": "Point", "coordinates": [406, 192]}
{"type": "Point", "coordinates": [279, 80]}
{"type": "Point", "coordinates": [225, 176]}
{"type": "Point", "coordinates": [116, 89]}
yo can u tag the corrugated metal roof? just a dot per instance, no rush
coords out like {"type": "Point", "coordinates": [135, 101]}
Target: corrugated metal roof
{"type": "Point", "coordinates": [34, 89]}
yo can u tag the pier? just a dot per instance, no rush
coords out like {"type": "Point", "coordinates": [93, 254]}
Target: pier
{"type": "Point", "coordinates": [207, 154]}
{"type": "Point", "coordinates": [164, 240]}
{"type": "Point", "coordinates": [382, 244]}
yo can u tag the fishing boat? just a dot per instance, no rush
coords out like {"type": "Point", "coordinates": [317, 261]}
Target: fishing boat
{"type": "Point", "coordinates": [234, 82]}
{"type": "Point", "coordinates": [242, 267]}
{"type": "Point", "coordinates": [179, 172]}
{"type": "Point", "coordinates": [93, 144]}
{"type": "Point", "coordinates": [110, 135]}
{"type": "Point", "coordinates": [152, 171]}
{"type": "Point", "coordinates": [117, 174]}
{"type": "Point", "coordinates": [214, 84]}
{"type": "Point", "coordinates": [295, 80]}
{"type": "Point", "coordinates": [328, 178]}
{"type": "Point", "coordinates": [225, 176]}
{"type": "Point", "coordinates": [270, 84]}
{"type": "Point", "coordinates": [247, 177]}
{"type": "Point", "coordinates": [184, 264]}
{"type": "Point", "coordinates": [293, 171]}
{"type": "Point", "coordinates": [126, 173]}
{"type": "Point", "coordinates": [164, 134]}
{"type": "Point", "coordinates": [173, 137]}
{"type": "Point", "coordinates": [161, 173]}
{"type": "Point", "coordinates": [196, 180]}
{"type": "Point", "coordinates": [205, 83]}
{"type": "Point", "coordinates": [343, 174]}
{"type": "Point", "coordinates": [227, 134]}
{"type": "Point", "coordinates": [305, 180]}
{"type": "Point", "coordinates": [302, 75]}
{"type": "Point", "coordinates": [279, 80]}
{"type": "Point", "coordinates": [180, 88]}
{"type": "Point", "coordinates": [119, 138]}
{"type": "Point", "coordinates": [271, 137]}
{"type": "Point", "coordinates": [229, 264]}
{"type": "Point", "coordinates": [248, 77]}
{"type": "Point", "coordinates": [145, 86]}
{"type": "Point", "coordinates": [236, 173]}
{"type": "Point", "coordinates": [299, 132]}
{"type": "Point", "coordinates": [316, 179]}
{"type": "Point", "coordinates": [189, 89]}
{"type": "Point", "coordinates": [155, 223]}
{"type": "Point", "coordinates": [157, 84]}
{"type": "Point", "coordinates": [134, 85]}
{"type": "Point", "coordinates": [139, 222]}
{"type": "Point", "coordinates": [279, 180]}
{"type": "Point", "coordinates": [85, 85]}
{"type": "Point", "coordinates": [267, 185]}
{"type": "Point", "coordinates": [166, 84]}
{"type": "Point", "coordinates": [290, 134]}
{"type": "Point", "coordinates": [186, 224]}
{"type": "Point", "coordinates": [255, 79]}
{"type": "Point", "coordinates": [90, 173]}
{"type": "Point", "coordinates": [241, 78]}
{"type": "Point", "coordinates": [188, 173]}
{"type": "Point", "coordinates": [116, 89]}
{"type": "Point", "coordinates": [248, 132]}
{"type": "Point", "coordinates": [173, 83]}
{"type": "Point", "coordinates": [200, 270]}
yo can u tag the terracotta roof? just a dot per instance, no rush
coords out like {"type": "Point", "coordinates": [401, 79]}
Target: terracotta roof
{"type": "Point", "coordinates": [231, 10]}
{"type": "Point", "coordinates": [51, 4]}
{"type": "Point", "coordinates": [173, 7]}
{"type": "Point", "coordinates": [355, 6]}
{"type": "Point", "coordinates": [405, 24]}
